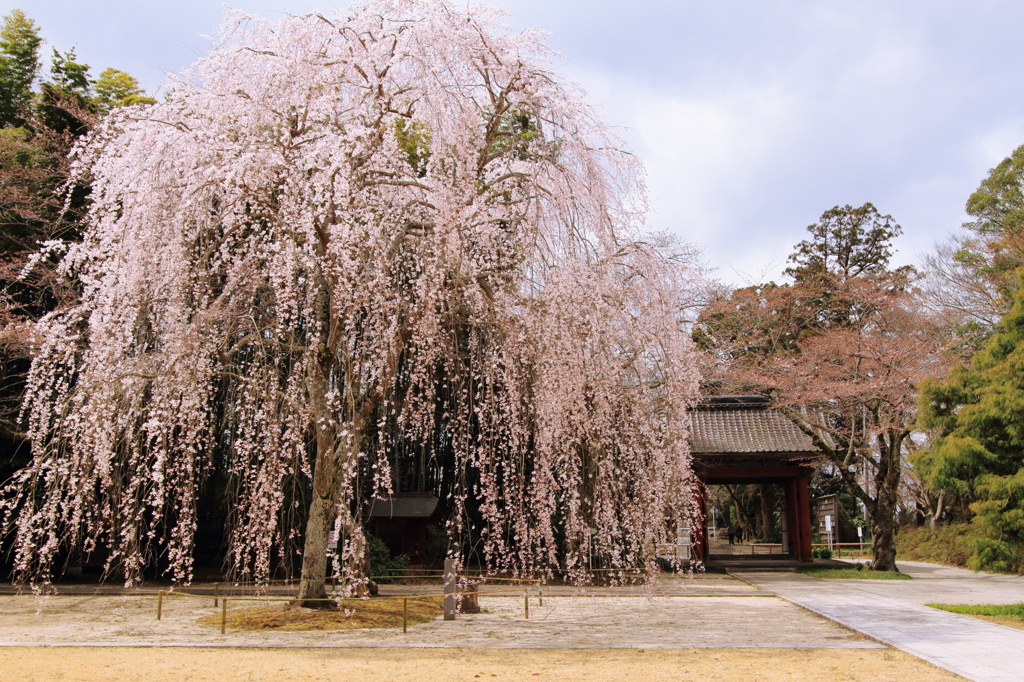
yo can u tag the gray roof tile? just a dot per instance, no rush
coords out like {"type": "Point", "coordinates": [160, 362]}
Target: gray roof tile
{"type": "Point", "coordinates": [404, 506]}
{"type": "Point", "coordinates": [745, 430]}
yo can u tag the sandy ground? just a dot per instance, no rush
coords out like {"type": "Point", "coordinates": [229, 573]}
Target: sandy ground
{"type": "Point", "coordinates": [23, 664]}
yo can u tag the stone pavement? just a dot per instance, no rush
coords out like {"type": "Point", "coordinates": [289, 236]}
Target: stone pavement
{"type": "Point", "coordinates": [708, 612]}
{"type": "Point", "coordinates": [893, 612]}
{"type": "Point", "coordinates": [935, 584]}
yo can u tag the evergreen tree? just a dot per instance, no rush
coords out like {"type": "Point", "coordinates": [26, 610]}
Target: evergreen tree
{"type": "Point", "coordinates": [19, 66]}
{"type": "Point", "coordinates": [116, 88]}
{"type": "Point", "coordinates": [66, 104]}
{"type": "Point", "coordinates": [978, 456]}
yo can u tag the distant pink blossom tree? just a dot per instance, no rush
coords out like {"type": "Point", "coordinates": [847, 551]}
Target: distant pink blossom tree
{"type": "Point", "coordinates": [328, 223]}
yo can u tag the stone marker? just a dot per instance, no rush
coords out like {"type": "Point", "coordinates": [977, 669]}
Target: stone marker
{"type": "Point", "coordinates": [449, 589]}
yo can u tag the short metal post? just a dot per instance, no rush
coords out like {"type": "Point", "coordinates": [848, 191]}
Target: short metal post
{"type": "Point", "coordinates": [159, 604]}
{"type": "Point", "coordinates": [216, 593]}
{"type": "Point", "coordinates": [526, 605]}
{"type": "Point", "coordinates": [223, 614]}
{"type": "Point", "coordinates": [540, 597]}
{"type": "Point", "coordinates": [405, 615]}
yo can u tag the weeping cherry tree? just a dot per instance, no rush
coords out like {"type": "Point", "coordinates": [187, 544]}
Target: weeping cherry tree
{"type": "Point", "coordinates": [329, 224]}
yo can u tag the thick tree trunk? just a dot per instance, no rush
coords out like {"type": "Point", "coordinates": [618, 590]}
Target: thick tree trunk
{"type": "Point", "coordinates": [883, 516]}
{"type": "Point", "coordinates": [313, 584]}
{"type": "Point", "coordinates": [744, 521]}
{"type": "Point", "coordinates": [883, 537]}
{"type": "Point", "coordinates": [767, 512]}
{"type": "Point", "coordinates": [323, 511]}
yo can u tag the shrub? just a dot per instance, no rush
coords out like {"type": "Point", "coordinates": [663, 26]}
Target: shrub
{"type": "Point", "coordinates": [382, 564]}
{"type": "Point", "coordinates": [965, 545]}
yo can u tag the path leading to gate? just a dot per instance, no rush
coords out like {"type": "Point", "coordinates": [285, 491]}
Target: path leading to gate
{"type": "Point", "coordinates": [707, 611]}
{"type": "Point", "coordinates": [894, 612]}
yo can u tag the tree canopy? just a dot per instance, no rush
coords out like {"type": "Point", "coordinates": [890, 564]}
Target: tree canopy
{"type": "Point", "coordinates": [845, 242]}
{"type": "Point", "coordinates": [973, 274]}
{"type": "Point", "coordinates": [19, 67]}
{"type": "Point", "coordinates": [976, 414]}
{"type": "Point", "coordinates": [842, 348]}
{"type": "Point", "coordinates": [336, 238]}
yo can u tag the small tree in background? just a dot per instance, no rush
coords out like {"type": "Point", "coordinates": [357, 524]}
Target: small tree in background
{"type": "Point", "coordinates": [842, 349]}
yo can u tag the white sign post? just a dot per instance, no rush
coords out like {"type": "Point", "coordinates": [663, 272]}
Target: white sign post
{"type": "Point", "coordinates": [828, 530]}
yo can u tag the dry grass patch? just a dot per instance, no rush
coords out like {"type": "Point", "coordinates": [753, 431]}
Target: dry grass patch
{"type": "Point", "coordinates": [465, 665]}
{"type": "Point", "coordinates": [352, 614]}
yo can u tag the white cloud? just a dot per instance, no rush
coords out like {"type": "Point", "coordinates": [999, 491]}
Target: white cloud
{"type": "Point", "coordinates": [751, 117]}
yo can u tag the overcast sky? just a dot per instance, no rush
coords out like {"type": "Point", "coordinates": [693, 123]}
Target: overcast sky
{"type": "Point", "coordinates": [752, 118]}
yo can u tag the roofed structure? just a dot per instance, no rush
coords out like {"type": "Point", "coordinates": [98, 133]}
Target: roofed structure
{"type": "Point", "coordinates": [741, 439]}
{"type": "Point", "coordinates": [404, 506]}
{"type": "Point", "coordinates": [742, 424]}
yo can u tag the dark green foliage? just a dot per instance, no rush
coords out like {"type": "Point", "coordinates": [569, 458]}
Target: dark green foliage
{"type": "Point", "coordinates": [845, 242]}
{"type": "Point", "coordinates": [821, 553]}
{"type": "Point", "coordinates": [997, 206]}
{"type": "Point", "coordinates": [977, 414]}
{"type": "Point", "coordinates": [383, 566]}
{"type": "Point", "coordinates": [986, 259]}
{"type": "Point", "coordinates": [19, 66]}
{"type": "Point", "coordinates": [65, 105]}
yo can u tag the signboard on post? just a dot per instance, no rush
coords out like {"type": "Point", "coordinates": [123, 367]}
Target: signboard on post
{"type": "Point", "coordinates": [828, 520]}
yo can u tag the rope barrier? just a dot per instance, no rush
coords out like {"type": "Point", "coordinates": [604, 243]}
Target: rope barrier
{"type": "Point", "coordinates": [405, 602]}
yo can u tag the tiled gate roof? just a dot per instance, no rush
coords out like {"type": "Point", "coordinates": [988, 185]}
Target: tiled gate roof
{"type": "Point", "coordinates": [744, 424]}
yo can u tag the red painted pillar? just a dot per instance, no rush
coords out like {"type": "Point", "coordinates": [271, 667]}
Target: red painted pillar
{"type": "Point", "coordinates": [803, 501]}
{"type": "Point", "coordinates": [792, 521]}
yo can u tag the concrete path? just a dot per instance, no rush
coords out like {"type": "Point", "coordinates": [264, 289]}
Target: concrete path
{"type": "Point", "coordinates": [893, 611]}
{"type": "Point", "coordinates": [935, 584]}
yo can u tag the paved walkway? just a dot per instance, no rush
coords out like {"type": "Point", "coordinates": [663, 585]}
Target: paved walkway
{"type": "Point", "coordinates": [893, 611]}
{"type": "Point", "coordinates": [708, 612]}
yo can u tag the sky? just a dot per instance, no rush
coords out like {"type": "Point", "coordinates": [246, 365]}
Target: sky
{"type": "Point", "coordinates": [752, 118]}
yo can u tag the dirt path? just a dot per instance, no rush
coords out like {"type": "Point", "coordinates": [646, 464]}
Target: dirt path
{"type": "Point", "coordinates": [30, 664]}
